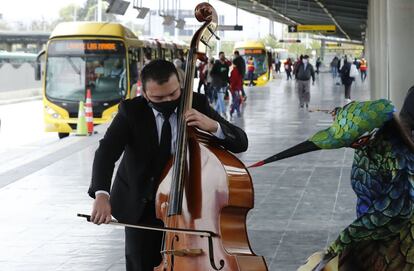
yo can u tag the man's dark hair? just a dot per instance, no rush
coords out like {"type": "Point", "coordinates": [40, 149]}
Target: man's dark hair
{"type": "Point", "coordinates": [221, 53]}
{"type": "Point", "coordinates": [158, 70]}
{"type": "Point", "coordinates": [236, 53]}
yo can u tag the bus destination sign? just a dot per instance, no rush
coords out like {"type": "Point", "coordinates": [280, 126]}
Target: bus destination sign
{"type": "Point", "coordinates": [74, 47]}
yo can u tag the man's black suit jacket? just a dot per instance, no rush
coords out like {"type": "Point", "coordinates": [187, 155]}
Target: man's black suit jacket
{"type": "Point", "coordinates": [133, 132]}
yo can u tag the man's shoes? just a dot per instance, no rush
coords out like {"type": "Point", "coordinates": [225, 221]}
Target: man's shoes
{"type": "Point", "coordinates": [307, 106]}
{"type": "Point", "coordinates": [301, 106]}
{"type": "Point", "coordinates": [347, 101]}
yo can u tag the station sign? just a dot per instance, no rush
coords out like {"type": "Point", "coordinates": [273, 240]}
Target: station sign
{"type": "Point", "coordinates": [230, 28]}
{"type": "Point", "coordinates": [328, 28]}
{"type": "Point", "coordinates": [333, 45]}
{"type": "Point", "coordinates": [290, 41]}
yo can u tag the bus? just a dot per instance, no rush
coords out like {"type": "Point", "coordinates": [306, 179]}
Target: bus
{"type": "Point", "coordinates": [262, 58]}
{"type": "Point", "coordinates": [103, 57]}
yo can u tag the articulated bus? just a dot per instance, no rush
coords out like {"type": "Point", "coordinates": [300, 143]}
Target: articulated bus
{"type": "Point", "coordinates": [262, 58]}
{"type": "Point", "coordinates": [103, 57]}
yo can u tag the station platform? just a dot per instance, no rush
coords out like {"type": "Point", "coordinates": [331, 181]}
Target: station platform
{"type": "Point", "coordinates": [301, 203]}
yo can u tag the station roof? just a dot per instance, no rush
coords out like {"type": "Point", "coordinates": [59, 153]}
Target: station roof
{"type": "Point", "coordinates": [349, 16]}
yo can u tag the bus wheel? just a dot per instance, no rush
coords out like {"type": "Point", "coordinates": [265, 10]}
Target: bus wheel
{"type": "Point", "coordinates": [63, 135]}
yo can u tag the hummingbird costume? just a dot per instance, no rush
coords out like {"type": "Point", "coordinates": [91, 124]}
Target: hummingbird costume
{"type": "Point", "coordinates": [382, 176]}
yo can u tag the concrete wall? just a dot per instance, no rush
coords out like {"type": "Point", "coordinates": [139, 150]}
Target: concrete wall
{"type": "Point", "coordinates": [17, 79]}
{"type": "Point", "coordinates": [390, 48]}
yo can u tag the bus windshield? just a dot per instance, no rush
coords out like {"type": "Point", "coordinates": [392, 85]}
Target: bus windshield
{"type": "Point", "coordinates": [260, 62]}
{"type": "Point", "coordinates": [76, 65]}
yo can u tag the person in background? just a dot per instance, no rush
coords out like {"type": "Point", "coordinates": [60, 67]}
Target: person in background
{"type": "Point", "coordinates": [346, 79]}
{"type": "Point", "coordinates": [181, 74]}
{"type": "Point", "coordinates": [334, 67]}
{"type": "Point", "coordinates": [288, 68]}
{"type": "Point", "coordinates": [304, 72]}
{"type": "Point", "coordinates": [236, 85]}
{"type": "Point", "coordinates": [363, 68]}
{"type": "Point", "coordinates": [209, 81]}
{"type": "Point", "coordinates": [277, 65]}
{"type": "Point", "coordinates": [202, 75]}
{"type": "Point", "coordinates": [220, 74]}
{"type": "Point", "coordinates": [318, 64]}
{"type": "Point", "coordinates": [407, 113]}
{"type": "Point", "coordinates": [250, 70]}
{"type": "Point", "coordinates": [242, 64]}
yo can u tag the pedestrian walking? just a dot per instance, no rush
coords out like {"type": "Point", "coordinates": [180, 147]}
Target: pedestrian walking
{"type": "Point", "coordinates": [303, 74]}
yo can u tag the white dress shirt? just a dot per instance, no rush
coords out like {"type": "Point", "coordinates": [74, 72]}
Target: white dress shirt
{"type": "Point", "coordinates": [159, 120]}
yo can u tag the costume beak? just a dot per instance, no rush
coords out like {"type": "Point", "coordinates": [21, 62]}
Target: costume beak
{"type": "Point", "coordinates": [304, 147]}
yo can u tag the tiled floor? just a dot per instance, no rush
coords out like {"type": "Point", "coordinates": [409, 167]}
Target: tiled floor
{"type": "Point", "coordinates": [300, 206]}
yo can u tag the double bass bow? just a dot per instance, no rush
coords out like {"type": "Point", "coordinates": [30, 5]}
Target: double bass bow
{"type": "Point", "coordinates": [205, 190]}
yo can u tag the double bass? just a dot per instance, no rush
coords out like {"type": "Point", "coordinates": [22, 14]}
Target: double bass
{"type": "Point", "coordinates": [205, 192]}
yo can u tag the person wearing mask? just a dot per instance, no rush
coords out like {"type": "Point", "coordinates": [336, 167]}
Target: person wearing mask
{"type": "Point", "coordinates": [144, 134]}
{"type": "Point", "coordinates": [220, 73]}
{"type": "Point", "coordinates": [304, 72]}
{"type": "Point", "coordinates": [346, 79]}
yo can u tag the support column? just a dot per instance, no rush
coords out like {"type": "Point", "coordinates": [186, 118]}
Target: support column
{"type": "Point", "coordinates": [323, 46]}
{"type": "Point", "coordinates": [390, 38]}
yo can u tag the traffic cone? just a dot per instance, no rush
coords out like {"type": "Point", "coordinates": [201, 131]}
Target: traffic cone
{"type": "Point", "coordinates": [139, 86]}
{"type": "Point", "coordinates": [89, 112]}
{"type": "Point", "coordinates": [81, 129]}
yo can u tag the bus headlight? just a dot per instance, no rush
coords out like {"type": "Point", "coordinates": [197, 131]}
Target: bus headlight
{"type": "Point", "coordinates": [264, 78]}
{"type": "Point", "coordinates": [52, 112]}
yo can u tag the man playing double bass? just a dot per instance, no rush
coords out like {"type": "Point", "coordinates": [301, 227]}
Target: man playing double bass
{"type": "Point", "coordinates": [146, 141]}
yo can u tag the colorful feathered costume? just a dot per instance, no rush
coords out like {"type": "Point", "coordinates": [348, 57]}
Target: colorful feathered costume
{"type": "Point", "coordinates": [382, 236]}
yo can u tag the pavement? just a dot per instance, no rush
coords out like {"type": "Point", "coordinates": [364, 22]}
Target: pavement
{"type": "Point", "coordinates": [301, 203]}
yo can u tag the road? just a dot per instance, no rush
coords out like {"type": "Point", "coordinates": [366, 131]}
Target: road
{"type": "Point", "coordinates": [22, 127]}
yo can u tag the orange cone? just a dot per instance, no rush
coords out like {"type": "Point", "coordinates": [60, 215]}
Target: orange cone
{"type": "Point", "coordinates": [89, 112]}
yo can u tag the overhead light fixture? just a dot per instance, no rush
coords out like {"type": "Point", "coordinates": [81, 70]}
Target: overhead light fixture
{"type": "Point", "coordinates": [142, 12]}
{"type": "Point", "coordinates": [118, 7]}
{"type": "Point", "coordinates": [168, 20]}
{"type": "Point", "coordinates": [180, 23]}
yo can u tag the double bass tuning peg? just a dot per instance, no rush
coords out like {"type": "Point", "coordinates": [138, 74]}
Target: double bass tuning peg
{"type": "Point", "coordinates": [213, 33]}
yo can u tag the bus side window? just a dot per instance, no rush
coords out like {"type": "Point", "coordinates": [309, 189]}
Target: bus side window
{"type": "Point", "coordinates": [134, 57]}
{"type": "Point", "coordinates": [134, 60]}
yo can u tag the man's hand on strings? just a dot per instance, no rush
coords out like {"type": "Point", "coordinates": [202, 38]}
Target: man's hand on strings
{"type": "Point", "coordinates": [201, 121]}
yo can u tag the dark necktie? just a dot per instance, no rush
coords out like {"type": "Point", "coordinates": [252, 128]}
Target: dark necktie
{"type": "Point", "coordinates": [165, 142]}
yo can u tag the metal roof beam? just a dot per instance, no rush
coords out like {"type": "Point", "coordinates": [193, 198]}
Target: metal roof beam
{"type": "Point", "coordinates": [333, 19]}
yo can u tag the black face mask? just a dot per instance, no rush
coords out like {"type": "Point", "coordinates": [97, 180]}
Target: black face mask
{"type": "Point", "coordinates": [165, 108]}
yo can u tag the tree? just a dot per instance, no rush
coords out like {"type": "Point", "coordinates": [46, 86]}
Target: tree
{"type": "Point", "coordinates": [271, 41]}
{"type": "Point", "coordinates": [4, 26]}
{"type": "Point", "coordinates": [88, 12]}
